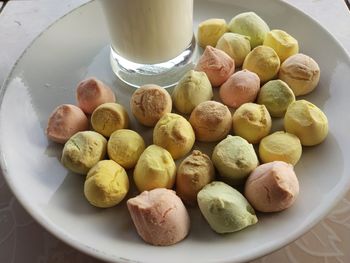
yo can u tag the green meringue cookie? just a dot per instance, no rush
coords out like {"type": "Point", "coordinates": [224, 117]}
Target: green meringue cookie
{"type": "Point", "coordinates": [83, 150]}
{"type": "Point", "coordinates": [251, 25]}
{"type": "Point", "coordinates": [234, 158]}
{"type": "Point", "coordinates": [276, 95]}
{"type": "Point", "coordinates": [225, 209]}
{"type": "Point", "coordinates": [236, 46]}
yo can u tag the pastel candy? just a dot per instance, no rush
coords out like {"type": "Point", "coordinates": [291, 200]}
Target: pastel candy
{"type": "Point", "coordinates": [235, 159]}
{"type": "Point", "coordinates": [149, 103]}
{"type": "Point", "coordinates": [194, 172]}
{"type": "Point", "coordinates": [301, 73]}
{"type": "Point", "coordinates": [216, 64]}
{"type": "Point", "coordinates": [154, 169]}
{"type": "Point", "coordinates": [193, 88]}
{"type": "Point", "coordinates": [91, 93]}
{"type": "Point", "coordinates": [284, 44]}
{"type": "Point", "coordinates": [264, 61]}
{"type": "Point", "coordinates": [307, 122]}
{"type": "Point", "coordinates": [83, 150]}
{"type": "Point", "coordinates": [106, 184]}
{"type": "Point", "coordinates": [209, 31]}
{"type": "Point", "coordinates": [109, 117]}
{"type": "Point", "coordinates": [252, 122]}
{"type": "Point", "coordinates": [235, 45]}
{"type": "Point", "coordinates": [225, 209]}
{"type": "Point", "coordinates": [251, 25]}
{"type": "Point", "coordinates": [65, 121]}
{"type": "Point", "coordinates": [280, 146]}
{"type": "Point", "coordinates": [242, 87]}
{"type": "Point", "coordinates": [175, 134]}
{"type": "Point", "coordinates": [272, 187]}
{"type": "Point", "coordinates": [276, 96]}
{"type": "Point", "coordinates": [125, 147]}
{"type": "Point", "coordinates": [159, 216]}
{"type": "Point", "coordinates": [211, 121]}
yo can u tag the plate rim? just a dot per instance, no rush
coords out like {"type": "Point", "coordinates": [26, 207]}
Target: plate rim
{"type": "Point", "coordinates": [96, 253]}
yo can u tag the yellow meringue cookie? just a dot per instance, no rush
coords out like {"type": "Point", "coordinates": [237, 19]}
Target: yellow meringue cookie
{"type": "Point", "coordinates": [263, 61]}
{"type": "Point", "coordinates": [306, 121]}
{"type": "Point", "coordinates": [154, 169]}
{"type": "Point", "coordinates": [83, 150]}
{"type": "Point", "coordinates": [125, 147]}
{"type": "Point", "coordinates": [109, 117]}
{"type": "Point", "coordinates": [106, 184]}
{"type": "Point", "coordinates": [280, 146]}
{"type": "Point", "coordinates": [284, 44]}
{"type": "Point", "coordinates": [252, 122]}
{"type": "Point", "coordinates": [209, 31]}
{"type": "Point", "coordinates": [175, 134]}
{"type": "Point", "coordinates": [193, 88]}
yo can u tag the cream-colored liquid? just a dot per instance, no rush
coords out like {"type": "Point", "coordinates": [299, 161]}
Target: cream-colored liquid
{"type": "Point", "coordinates": [149, 31]}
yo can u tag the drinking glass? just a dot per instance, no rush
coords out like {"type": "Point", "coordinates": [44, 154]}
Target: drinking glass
{"type": "Point", "coordinates": [152, 41]}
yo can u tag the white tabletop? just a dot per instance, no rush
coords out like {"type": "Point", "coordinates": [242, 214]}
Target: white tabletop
{"type": "Point", "coordinates": [23, 240]}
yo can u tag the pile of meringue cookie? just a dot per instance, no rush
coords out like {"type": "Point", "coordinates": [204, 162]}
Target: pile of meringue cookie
{"type": "Point", "coordinates": [273, 74]}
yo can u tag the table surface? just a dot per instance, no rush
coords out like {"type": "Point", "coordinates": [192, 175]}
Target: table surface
{"type": "Point", "coordinates": [23, 240]}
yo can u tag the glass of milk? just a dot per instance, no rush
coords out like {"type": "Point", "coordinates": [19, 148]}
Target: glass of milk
{"type": "Point", "coordinates": [152, 41]}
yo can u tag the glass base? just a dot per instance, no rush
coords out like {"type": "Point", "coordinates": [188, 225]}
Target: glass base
{"type": "Point", "coordinates": [165, 74]}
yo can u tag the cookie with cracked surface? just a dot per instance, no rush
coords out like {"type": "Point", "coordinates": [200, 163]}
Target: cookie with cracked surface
{"type": "Point", "coordinates": [211, 121]}
{"type": "Point", "coordinates": [149, 103]}
{"type": "Point", "coordinates": [194, 172]}
{"type": "Point", "coordinates": [109, 117]}
{"type": "Point", "coordinates": [159, 216]}
{"type": "Point", "coordinates": [175, 134]}
{"type": "Point", "coordinates": [272, 187]}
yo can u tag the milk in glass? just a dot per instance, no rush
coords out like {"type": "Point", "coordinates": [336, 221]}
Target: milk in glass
{"type": "Point", "coordinates": [149, 31]}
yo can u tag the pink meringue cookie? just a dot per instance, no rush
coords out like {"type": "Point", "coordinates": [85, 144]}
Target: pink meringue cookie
{"type": "Point", "coordinates": [159, 216]}
{"type": "Point", "coordinates": [65, 121]}
{"type": "Point", "coordinates": [216, 64]}
{"type": "Point", "coordinates": [241, 87]}
{"type": "Point", "coordinates": [91, 93]}
{"type": "Point", "coordinates": [272, 187]}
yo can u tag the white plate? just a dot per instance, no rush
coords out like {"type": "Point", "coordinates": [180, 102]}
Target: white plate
{"type": "Point", "coordinates": [76, 47]}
